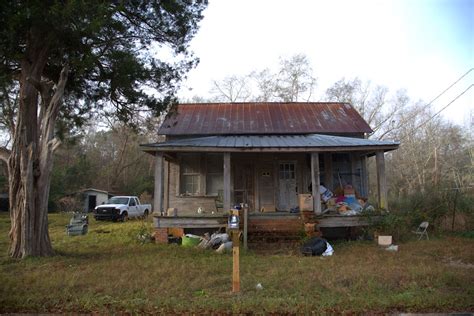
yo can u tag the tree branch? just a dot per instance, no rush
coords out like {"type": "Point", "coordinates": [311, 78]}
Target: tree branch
{"type": "Point", "coordinates": [4, 154]}
{"type": "Point", "coordinates": [55, 143]}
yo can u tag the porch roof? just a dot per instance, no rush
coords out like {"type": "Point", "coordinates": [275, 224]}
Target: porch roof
{"type": "Point", "coordinates": [270, 143]}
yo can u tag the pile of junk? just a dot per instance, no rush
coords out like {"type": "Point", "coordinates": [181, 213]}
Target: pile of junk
{"type": "Point", "coordinates": [219, 242]}
{"type": "Point", "coordinates": [344, 201]}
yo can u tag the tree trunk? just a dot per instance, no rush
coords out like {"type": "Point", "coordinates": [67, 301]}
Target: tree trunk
{"type": "Point", "coordinates": [30, 162]}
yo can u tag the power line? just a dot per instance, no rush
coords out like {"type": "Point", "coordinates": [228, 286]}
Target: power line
{"type": "Point", "coordinates": [460, 78]}
{"type": "Point", "coordinates": [444, 107]}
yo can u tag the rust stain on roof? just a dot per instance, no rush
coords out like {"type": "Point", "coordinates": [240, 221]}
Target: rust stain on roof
{"type": "Point", "coordinates": [263, 118]}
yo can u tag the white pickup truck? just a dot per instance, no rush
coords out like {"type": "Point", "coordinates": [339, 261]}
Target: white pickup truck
{"type": "Point", "coordinates": [121, 208]}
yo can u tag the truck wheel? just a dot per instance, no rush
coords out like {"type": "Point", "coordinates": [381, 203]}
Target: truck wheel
{"type": "Point", "coordinates": [124, 217]}
{"type": "Point", "coordinates": [145, 214]}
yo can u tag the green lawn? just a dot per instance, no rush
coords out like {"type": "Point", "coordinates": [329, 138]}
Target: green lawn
{"type": "Point", "coordinates": [109, 270]}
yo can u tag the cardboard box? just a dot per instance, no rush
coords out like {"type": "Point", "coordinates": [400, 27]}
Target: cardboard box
{"type": "Point", "coordinates": [305, 202]}
{"type": "Point", "coordinates": [172, 211]}
{"type": "Point", "coordinates": [267, 208]}
{"type": "Point", "coordinates": [385, 240]}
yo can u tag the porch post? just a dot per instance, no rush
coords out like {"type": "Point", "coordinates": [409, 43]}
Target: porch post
{"type": "Point", "coordinates": [364, 176]}
{"type": "Point", "coordinates": [353, 170]}
{"type": "Point", "coordinates": [315, 182]}
{"type": "Point", "coordinates": [328, 178]}
{"type": "Point", "coordinates": [159, 184]}
{"type": "Point", "coordinates": [381, 179]}
{"type": "Point", "coordinates": [226, 181]}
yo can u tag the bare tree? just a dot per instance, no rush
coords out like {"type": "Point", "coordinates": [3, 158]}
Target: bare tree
{"type": "Point", "coordinates": [232, 89]}
{"type": "Point", "coordinates": [373, 103]}
{"type": "Point", "coordinates": [295, 81]}
{"type": "Point", "coordinates": [265, 83]}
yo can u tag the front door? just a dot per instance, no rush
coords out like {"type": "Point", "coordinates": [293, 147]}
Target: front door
{"type": "Point", "coordinates": [244, 184]}
{"type": "Point", "coordinates": [287, 197]}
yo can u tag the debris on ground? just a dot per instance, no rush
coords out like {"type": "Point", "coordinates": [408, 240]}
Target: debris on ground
{"type": "Point", "coordinates": [78, 225]}
{"type": "Point", "coordinates": [392, 248]}
{"type": "Point", "coordinates": [317, 246]}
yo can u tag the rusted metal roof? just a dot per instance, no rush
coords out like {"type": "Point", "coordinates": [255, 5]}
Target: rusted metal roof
{"type": "Point", "coordinates": [263, 118]}
{"type": "Point", "coordinates": [294, 143]}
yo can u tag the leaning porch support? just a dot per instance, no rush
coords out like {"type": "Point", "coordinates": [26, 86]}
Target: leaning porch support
{"type": "Point", "coordinates": [315, 182]}
{"type": "Point", "coordinates": [226, 182]}
{"type": "Point", "coordinates": [159, 184]}
{"type": "Point", "coordinates": [381, 180]}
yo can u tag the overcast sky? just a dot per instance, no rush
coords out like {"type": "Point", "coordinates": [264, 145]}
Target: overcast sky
{"type": "Point", "coordinates": [420, 45]}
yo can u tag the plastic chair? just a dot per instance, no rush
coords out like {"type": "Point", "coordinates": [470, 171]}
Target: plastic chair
{"type": "Point", "coordinates": [422, 230]}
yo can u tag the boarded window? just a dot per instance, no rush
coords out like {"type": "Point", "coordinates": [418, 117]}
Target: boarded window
{"type": "Point", "coordinates": [214, 176]}
{"type": "Point", "coordinates": [190, 175]}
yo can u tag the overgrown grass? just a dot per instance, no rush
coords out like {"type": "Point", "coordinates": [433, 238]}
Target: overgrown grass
{"type": "Point", "coordinates": [109, 271]}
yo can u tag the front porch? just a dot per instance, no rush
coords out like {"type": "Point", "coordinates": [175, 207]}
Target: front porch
{"type": "Point", "coordinates": [264, 173]}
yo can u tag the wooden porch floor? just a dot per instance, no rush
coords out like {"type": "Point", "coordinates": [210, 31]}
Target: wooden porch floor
{"type": "Point", "coordinates": [220, 220]}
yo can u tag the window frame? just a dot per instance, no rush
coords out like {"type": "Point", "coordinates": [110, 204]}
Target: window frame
{"type": "Point", "coordinates": [209, 174]}
{"type": "Point", "coordinates": [182, 174]}
{"type": "Point", "coordinates": [202, 174]}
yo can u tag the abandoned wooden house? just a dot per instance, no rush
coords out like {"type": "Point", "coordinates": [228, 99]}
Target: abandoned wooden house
{"type": "Point", "coordinates": [263, 155]}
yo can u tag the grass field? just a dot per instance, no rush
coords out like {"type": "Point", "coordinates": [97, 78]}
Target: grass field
{"type": "Point", "coordinates": [109, 271]}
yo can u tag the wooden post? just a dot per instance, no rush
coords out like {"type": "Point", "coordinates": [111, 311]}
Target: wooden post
{"type": "Point", "coordinates": [353, 170]}
{"type": "Point", "coordinates": [328, 178]}
{"type": "Point", "coordinates": [381, 180]}
{"type": "Point", "coordinates": [315, 183]}
{"type": "Point", "coordinates": [364, 176]}
{"type": "Point", "coordinates": [159, 184]}
{"type": "Point", "coordinates": [226, 182]}
{"type": "Point", "coordinates": [235, 262]}
{"type": "Point", "coordinates": [246, 218]}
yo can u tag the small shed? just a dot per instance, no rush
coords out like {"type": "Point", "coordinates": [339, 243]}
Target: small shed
{"type": "Point", "coordinates": [92, 198]}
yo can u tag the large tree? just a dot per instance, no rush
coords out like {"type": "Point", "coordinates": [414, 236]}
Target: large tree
{"type": "Point", "coordinates": [66, 58]}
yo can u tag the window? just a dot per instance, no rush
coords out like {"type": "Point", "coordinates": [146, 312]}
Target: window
{"type": "Point", "coordinates": [189, 184]}
{"type": "Point", "coordinates": [287, 171]}
{"type": "Point", "coordinates": [214, 176]}
{"type": "Point", "coordinates": [196, 166]}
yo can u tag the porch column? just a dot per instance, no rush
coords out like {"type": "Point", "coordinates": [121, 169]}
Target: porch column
{"type": "Point", "coordinates": [226, 181]}
{"type": "Point", "coordinates": [353, 170]}
{"type": "Point", "coordinates": [328, 178]}
{"type": "Point", "coordinates": [381, 179]}
{"type": "Point", "coordinates": [315, 183]}
{"type": "Point", "coordinates": [364, 176]}
{"type": "Point", "coordinates": [159, 184]}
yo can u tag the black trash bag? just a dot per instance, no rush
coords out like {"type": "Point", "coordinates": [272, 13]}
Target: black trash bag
{"type": "Point", "coordinates": [314, 247]}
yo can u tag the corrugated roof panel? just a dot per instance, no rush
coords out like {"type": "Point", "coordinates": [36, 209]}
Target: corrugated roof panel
{"type": "Point", "coordinates": [263, 118]}
{"type": "Point", "coordinates": [272, 141]}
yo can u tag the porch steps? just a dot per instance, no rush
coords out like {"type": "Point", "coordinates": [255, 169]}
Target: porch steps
{"type": "Point", "coordinates": [279, 229]}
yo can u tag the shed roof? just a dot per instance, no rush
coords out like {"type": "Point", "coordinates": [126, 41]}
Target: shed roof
{"type": "Point", "coordinates": [272, 143]}
{"type": "Point", "coordinates": [263, 118]}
